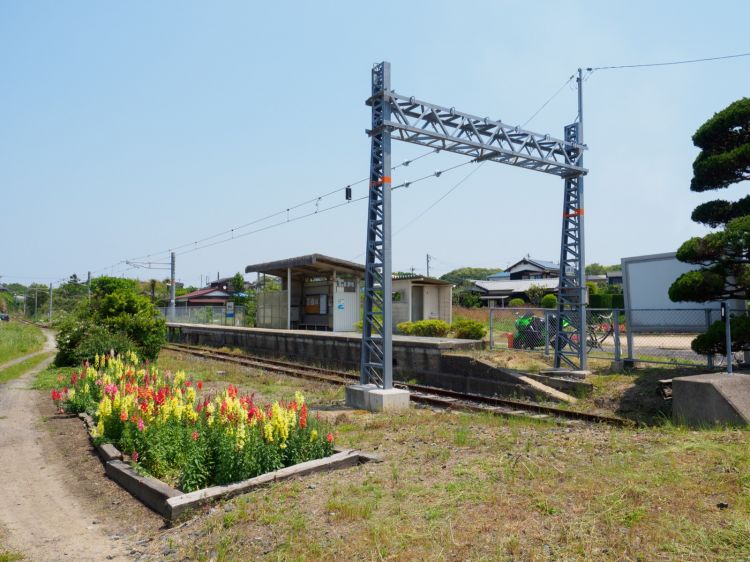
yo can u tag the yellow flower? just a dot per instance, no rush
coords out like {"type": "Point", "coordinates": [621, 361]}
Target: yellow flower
{"type": "Point", "coordinates": [313, 435]}
{"type": "Point", "coordinates": [268, 431]}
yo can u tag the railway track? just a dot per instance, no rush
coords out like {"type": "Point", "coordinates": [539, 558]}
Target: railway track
{"type": "Point", "coordinates": [420, 394]}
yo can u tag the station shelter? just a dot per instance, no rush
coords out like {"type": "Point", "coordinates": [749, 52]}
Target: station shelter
{"type": "Point", "coordinates": [421, 298]}
{"type": "Point", "coordinates": [312, 292]}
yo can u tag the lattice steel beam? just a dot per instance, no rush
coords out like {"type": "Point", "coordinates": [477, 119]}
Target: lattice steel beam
{"type": "Point", "coordinates": [430, 125]}
{"type": "Point", "coordinates": [426, 124]}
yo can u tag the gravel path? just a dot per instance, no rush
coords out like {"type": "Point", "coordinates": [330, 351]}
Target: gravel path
{"type": "Point", "coordinates": [41, 516]}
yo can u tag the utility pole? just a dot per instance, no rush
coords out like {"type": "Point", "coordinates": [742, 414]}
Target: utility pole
{"type": "Point", "coordinates": [36, 300]}
{"type": "Point", "coordinates": [172, 289]}
{"type": "Point", "coordinates": [428, 264]}
{"type": "Point", "coordinates": [88, 284]}
{"type": "Point", "coordinates": [50, 304]}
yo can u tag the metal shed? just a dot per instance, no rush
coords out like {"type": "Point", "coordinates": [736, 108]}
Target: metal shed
{"type": "Point", "coordinates": [421, 298]}
{"type": "Point", "coordinates": [315, 292]}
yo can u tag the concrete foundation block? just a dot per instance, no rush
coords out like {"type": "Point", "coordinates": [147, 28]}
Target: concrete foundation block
{"type": "Point", "coordinates": [711, 399]}
{"type": "Point", "coordinates": [390, 400]}
{"type": "Point", "coordinates": [357, 395]}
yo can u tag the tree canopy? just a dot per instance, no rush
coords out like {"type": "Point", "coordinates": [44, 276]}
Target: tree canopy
{"type": "Point", "coordinates": [458, 276]}
{"type": "Point", "coordinates": [723, 256]}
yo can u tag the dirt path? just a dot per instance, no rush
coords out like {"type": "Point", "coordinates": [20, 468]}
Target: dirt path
{"type": "Point", "coordinates": [44, 515]}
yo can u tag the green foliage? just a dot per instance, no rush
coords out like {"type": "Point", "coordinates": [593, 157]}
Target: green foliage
{"type": "Point", "coordinates": [427, 328]}
{"type": "Point", "coordinates": [598, 269]}
{"type": "Point", "coordinates": [606, 300]}
{"type": "Point", "coordinates": [458, 276]}
{"type": "Point", "coordinates": [118, 317]}
{"type": "Point", "coordinates": [549, 301]}
{"type": "Point", "coordinates": [724, 159]}
{"type": "Point", "coordinates": [517, 303]}
{"type": "Point", "coordinates": [237, 283]}
{"type": "Point", "coordinates": [80, 340]}
{"type": "Point", "coordinates": [714, 340]}
{"type": "Point", "coordinates": [467, 298]}
{"type": "Point", "coordinates": [535, 294]}
{"type": "Point", "coordinates": [467, 329]}
{"type": "Point", "coordinates": [724, 141]}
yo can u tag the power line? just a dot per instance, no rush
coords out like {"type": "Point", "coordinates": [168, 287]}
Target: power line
{"type": "Point", "coordinates": [446, 194]}
{"type": "Point", "coordinates": [669, 63]}
{"type": "Point", "coordinates": [318, 211]}
{"type": "Point", "coordinates": [233, 232]}
{"type": "Point", "coordinates": [553, 96]}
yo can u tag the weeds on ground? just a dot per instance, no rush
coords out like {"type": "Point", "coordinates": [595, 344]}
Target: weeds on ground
{"type": "Point", "coordinates": [19, 369]}
{"type": "Point", "coordinates": [17, 339]}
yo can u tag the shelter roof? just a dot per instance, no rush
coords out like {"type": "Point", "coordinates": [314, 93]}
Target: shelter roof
{"type": "Point", "coordinates": [420, 279]}
{"type": "Point", "coordinates": [311, 264]}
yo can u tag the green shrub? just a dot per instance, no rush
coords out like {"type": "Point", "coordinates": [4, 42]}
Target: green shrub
{"type": "Point", "coordinates": [117, 317]}
{"type": "Point", "coordinates": [516, 303]}
{"type": "Point", "coordinates": [600, 301]}
{"type": "Point", "coordinates": [714, 340]}
{"type": "Point", "coordinates": [427, 328]}
{"type": "Point", "coordinates": [358, 325]}
{"type": "Point", "coordinates": [467, 329]}
{"type": "Point", "coordinates": [79, 341]}
{"type": "Point", "coordinates": [549, 301]}
{"type": "Point", "coordinates": [618, 300]}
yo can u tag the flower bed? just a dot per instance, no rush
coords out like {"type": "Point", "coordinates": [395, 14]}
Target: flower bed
{"type": "Point", "coordinates": [178, 434]}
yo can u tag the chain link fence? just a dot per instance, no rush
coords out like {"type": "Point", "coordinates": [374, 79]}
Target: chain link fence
{"type": "Point", "coordinates": [643, 335]}
{"type": "Point", "coordinates": [217, 315]}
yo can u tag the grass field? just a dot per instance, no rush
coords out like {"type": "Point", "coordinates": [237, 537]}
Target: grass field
{"type": "Point", "coordinates": [19, 369]}
{"type": "Point", "coordinates": [17, 339]}
{"type": "Point", "coordinates": [474, 487]}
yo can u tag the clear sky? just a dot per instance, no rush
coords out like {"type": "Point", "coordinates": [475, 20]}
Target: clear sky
{"type": "Point", "coordinates": [130, 128]}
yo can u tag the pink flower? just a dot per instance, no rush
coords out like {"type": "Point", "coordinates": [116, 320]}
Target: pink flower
{"type": "Point", "coordinates": [141, 425]}
{"type": "Point", "coordinates": [195, 436]}
{"type": "Point", "coordinates": [135, 456]}
{"type": "Point", "coordinates": [329, 437]}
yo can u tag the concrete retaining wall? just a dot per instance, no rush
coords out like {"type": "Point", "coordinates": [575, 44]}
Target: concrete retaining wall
{"type": "Point", "coordinates": [428, 361]}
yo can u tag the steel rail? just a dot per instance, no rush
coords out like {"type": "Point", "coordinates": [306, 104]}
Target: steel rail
{"type": "Point", "coordinates": [422, 394]}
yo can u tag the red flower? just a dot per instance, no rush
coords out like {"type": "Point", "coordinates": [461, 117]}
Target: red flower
{"type": "Point", "coordinates": [303, 416]}
{"type": "Point", "coordinates": [195, 436]}
{"type": "Point", "coordinates": [200, 385]}
{"type": "Point", "coordinates": [329, 438]}
{"type": "Point", "coordinates": [232, 391]}
{"type": "Point", "coordinates": [124, 416]}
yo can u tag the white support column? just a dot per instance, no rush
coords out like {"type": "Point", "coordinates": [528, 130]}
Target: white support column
{"type": "Point", "coordinates": [288, 298]}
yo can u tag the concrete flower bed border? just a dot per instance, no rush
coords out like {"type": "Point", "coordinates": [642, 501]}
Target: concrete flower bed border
{"type": "Point", "coordinates": [171, 503]}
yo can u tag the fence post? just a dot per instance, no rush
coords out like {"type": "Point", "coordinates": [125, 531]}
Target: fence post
{"type": "Point", "coordinates": [546, 332]}
{"type": "Point", "coordinates": [492, 334]}
{"type": "Point", "coordinates": [616, 335]}
{"type": "Point", "coordinates": [629, 333]}
{"type": "Point", "coordinates": [709, 357]}
{"type": "Point", "coordinates": [728, 332]}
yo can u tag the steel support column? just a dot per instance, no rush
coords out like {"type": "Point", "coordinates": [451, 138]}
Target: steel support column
{"type": "Point", "coordinates": [570, 343]}
{"type": "Point", "coordinates": [376, 364]}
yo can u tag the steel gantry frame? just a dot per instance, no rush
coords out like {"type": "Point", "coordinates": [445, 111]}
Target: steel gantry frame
{"type": "Point", "coordinates": [418, 122]}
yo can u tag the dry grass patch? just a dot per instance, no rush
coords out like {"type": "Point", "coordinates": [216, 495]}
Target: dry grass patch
{"type": "Point", "coordinates": [463, 486]}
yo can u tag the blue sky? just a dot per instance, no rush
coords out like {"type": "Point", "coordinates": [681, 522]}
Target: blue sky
{"type": "Point", "coordinates": [128, 129]}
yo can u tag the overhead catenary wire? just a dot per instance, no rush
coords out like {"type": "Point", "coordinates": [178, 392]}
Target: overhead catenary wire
{"type": "Point", "coordinates": [319, 211]}
{"type": "Point", "coordinates": [668, 63]}
{"type": "Point", "coordinates": [233, 232]}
